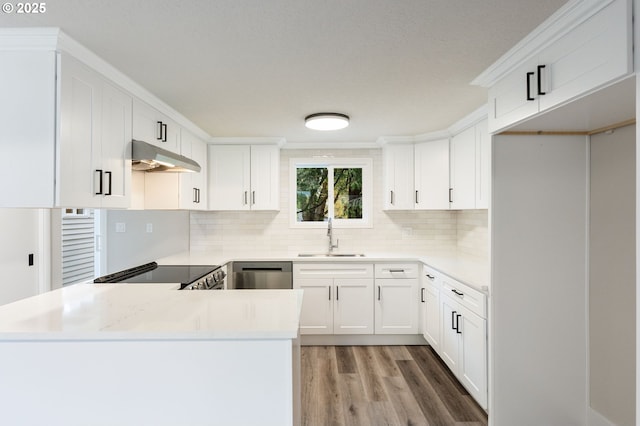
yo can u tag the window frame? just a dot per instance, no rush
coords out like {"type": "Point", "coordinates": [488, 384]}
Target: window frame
{"type": "Point", "coordinates": [366, 164]}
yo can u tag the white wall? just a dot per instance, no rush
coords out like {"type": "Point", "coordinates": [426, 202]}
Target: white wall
{"type": "Point", "coordinates": [538, 304]}
{"type": "Point", "coordinates": [612, 276]}
{"type": "Point", "coordinates": [236, 233]}
{"type": "Point", "coordinates": [137, 246]}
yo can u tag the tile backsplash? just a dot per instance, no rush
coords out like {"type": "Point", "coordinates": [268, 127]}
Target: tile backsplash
{"type": "Point", "coordinates": [238, 232]}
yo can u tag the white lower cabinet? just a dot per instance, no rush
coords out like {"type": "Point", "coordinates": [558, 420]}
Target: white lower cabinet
{"type": "Point", "coordinates": [430, 299]}
{"type": "Point", "coordinates": [464, 346]}
{"type": "Point", "coordinates": [338, 298]}
{"type": "Point", "coordinates": [397, 299]}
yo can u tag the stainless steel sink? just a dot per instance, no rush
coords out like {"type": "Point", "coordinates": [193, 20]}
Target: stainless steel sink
{"type": "Point", "coordinates": [330, 255]}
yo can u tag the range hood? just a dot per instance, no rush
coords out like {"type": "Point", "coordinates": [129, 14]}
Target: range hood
{"type": "Point", "coordinates": [150, 158]}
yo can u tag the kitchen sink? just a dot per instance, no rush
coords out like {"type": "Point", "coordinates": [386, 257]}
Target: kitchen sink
{"type": "Point", "coordinates": [330, 255]}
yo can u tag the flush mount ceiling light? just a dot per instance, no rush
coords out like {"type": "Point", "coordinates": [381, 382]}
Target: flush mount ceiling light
{"type": "Point", "coordinates": [326, 121]}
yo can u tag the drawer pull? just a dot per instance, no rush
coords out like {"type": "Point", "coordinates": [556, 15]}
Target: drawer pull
{"type": "Point", "coordinates": [396, 270]}
{"type": "Point", "coordinates": [378, 292]}
{"type": "Point", "coordinates": [457, 293]}
{"type": "Point", "coordinates": [422, 295]}
{"type": "Point", "coordinates": [458, 324]}
{"type": "Point", "coordinates": [431, 277]}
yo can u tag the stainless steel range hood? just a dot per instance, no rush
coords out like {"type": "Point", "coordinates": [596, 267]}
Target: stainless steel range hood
{"type": "Point", "coordinates": [150, 158]}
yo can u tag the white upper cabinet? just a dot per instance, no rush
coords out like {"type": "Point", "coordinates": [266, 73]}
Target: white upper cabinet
{"type": "Point", "coordinates": [432, 175]}
{"type": "Point", "coordinates": [193, 189]}
{"type": "Point", "coordinates": [70, 126]}
{"type": "Point", "coordinates": [184, 190]}
{"type": "Point", "coordinates": [244, 177]}
{"type": "Point", "coordinates": [151, 126]}
{"type": "Point", "coordinates": [593, 53]}
{"type": "Point", "coordinates": [398, 188]}
{"type": "Point", "coordinates": [462, 192]}
{"type": "Point", "coordinates": [265, 177]}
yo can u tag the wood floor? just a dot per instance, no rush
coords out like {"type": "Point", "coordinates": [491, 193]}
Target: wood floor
{"type": "Point", "coordinates": [382, 385]}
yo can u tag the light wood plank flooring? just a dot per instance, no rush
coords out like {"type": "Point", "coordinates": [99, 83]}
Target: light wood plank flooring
{"type": "Point", "coordinates": [382, 385]}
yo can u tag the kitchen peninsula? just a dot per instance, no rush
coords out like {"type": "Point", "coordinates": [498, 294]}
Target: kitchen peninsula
{"type": "Point", "coordinates": [148, 354]}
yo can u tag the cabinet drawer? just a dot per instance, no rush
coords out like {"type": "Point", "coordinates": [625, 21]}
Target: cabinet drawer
{"type": "Point", "coordinates": [472, 299]}
{"type": "Point", "coordinates": [332, 270]}
{"type": "Point", "coordinates": [431, 277]}
{"type": "Point", "coordinates": [397, 270]}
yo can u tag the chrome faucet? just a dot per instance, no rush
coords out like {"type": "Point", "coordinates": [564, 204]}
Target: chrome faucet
{"type": "Point", "coordinates": [330, 235]}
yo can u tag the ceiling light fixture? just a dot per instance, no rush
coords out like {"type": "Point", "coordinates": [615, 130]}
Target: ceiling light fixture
{"type": "Point", "coordinates": [326, 121]}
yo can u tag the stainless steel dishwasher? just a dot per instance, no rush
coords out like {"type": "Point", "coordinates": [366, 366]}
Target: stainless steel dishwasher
{"type": "Point", "coordinates": [260, 275]}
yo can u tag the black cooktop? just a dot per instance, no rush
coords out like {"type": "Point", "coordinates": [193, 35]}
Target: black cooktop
{"type": "Point", "coordinates": [152, 273]}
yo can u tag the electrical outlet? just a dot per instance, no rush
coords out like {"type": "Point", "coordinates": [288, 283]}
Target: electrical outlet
{"type": "Point", "coordinates": [149, 227]}
{"type": "Point", "coordinates": [121, 227]}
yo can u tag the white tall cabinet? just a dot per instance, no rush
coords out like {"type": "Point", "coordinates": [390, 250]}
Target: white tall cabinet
{"type": "Point", "coordinates": [398, 188]}
{"type": "Point", "coordinates": [244, 177]}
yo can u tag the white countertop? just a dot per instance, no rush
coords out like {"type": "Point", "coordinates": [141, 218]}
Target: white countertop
{"type": "Point", "coordinates": [470, 270]}
{"type": "Point", "coordinates": [151, 311]}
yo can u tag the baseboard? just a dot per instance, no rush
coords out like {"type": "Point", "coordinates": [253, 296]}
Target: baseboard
{"type": "Point", "coordinates": [361, 339]}
{"type": "Point", "coordinates": [597, 419]}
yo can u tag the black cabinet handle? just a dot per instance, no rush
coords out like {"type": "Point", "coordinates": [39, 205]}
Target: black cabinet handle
{"type": "Point", "coordinates": [110, 182]}
{"type": "Point", "coordinates": [159, 132]}
{"type": "Point", "coordinates": [417, 202]}
{"type": "Point", "coordinates": [337, 292]}
{"type": "Point", "coordinates": [457, 293]}
{"type": "Point", "coordinates": [198, 195]}
{"type": "Point", "coordinates": [395, 270]}
{"type": "Point", "coordinates": [329, 292]}
{"type": "Point", "coordinates": [422, 295]}
{"type": "Point", "coordinates": [195, 195]}
{"type": "Point", "coordinates": [453, 318]}
{"type": "Point", "coordinates": [540, 68]}
{"type": "Point", "coordinates": [431, 277]}
{"type": "Point", "coordinates": [378, 292]}
{"type": "Point", "coordinates": [458, 324]}
{"type": "Point", "coordinates": [99, 171]}
{"type": "Point", "coordinates": [391, 192]}
{"type": "Point", "coordinates": [253, 197]}
{"type": "Point", "coordinates": [451, 195]}
{"type": "Point", "coordinates": [245, 198]}
{"type": "Point", "coordinates": [529, 98]}
{"type": "Point", "coordinates": [164, 132]}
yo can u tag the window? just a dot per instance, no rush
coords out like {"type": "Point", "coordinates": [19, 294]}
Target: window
{"type": "Point", "coordinates": [339, 189]}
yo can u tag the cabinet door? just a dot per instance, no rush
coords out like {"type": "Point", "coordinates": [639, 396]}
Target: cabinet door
{"type": "Point", "coordinates": [265, 177]}
{"type": "Point", "coordinates": [353, 306]}
{"type": "Point", "coordinates": [396, 306]}
{"type": "Point", "coordinates": [115, 147]}
{"type": "Point", "coordinates": [483, 165]}
{"type": "Point", "coordinates": [192, 185]}
{"type": "Point", "coordinates": [199, 180]}
{"type": "Point", "coordinates": [509, 100]}
{"type": "Point", "coordinates": [432, 175]}
{"type": "Point", "coordinates": [463, 170]}
{"type": "Point", "coordinates": [229, 177]}
{"type": "Point", "coordinates": [28, 128]}
{"type": "Point", "coordinates": [450, 344]}
{"type": "Point", "coordinates": [473, 355]}
{"type": "Point", "coordinates": [81, 179]}
{"type": "Point", "coordinates": [398, 177]}
{"type": "Point", "coordinates": [596, 52]}
{"type": "Point", "coordinates": [316, 316]}
{"type": "Point", "coordinates": [151, 126]}
{"type": "Point", "coordinates": [432, 326]}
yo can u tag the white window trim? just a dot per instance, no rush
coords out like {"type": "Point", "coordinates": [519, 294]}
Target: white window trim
{"type": "Point", "coordinates": [367, 191]}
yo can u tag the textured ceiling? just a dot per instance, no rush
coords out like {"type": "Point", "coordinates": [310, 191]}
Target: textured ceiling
{"type": "Point", "coordinates": [254, 68]}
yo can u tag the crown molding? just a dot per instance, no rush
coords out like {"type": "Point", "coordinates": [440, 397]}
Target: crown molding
{"type": "Point", "coordinates": [557, 25]}
{"type": "Point", "coordinates": [469, 120]}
